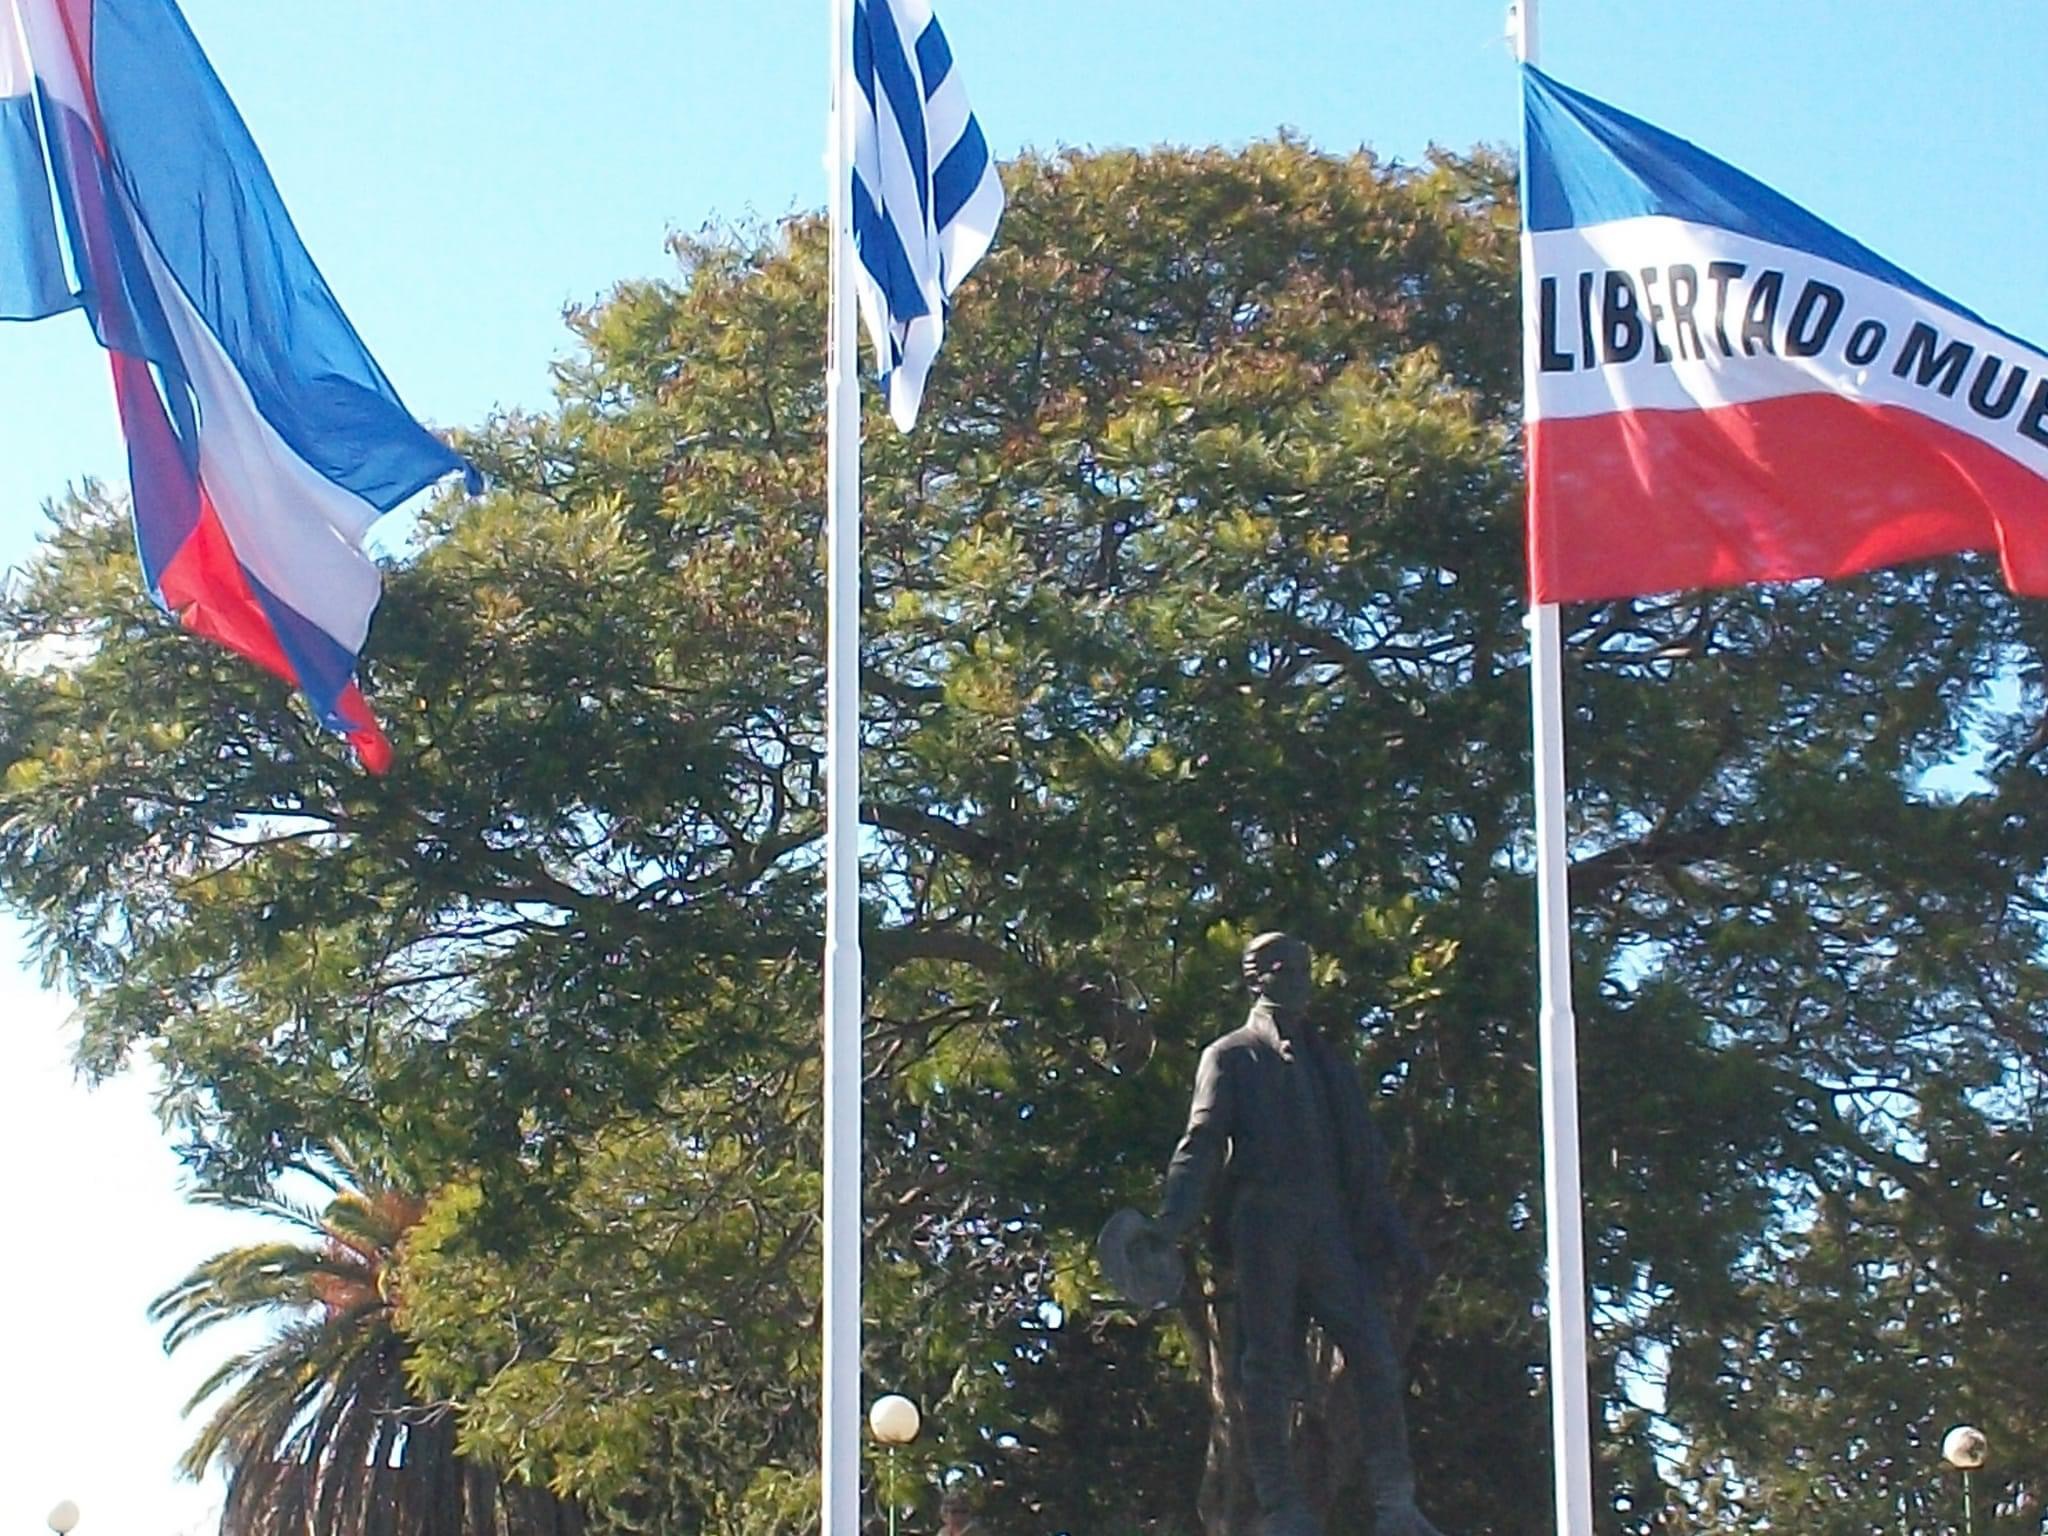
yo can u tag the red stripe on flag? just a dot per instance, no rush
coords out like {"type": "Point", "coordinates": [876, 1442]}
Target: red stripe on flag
{"type": "Point", "coordinates": [1635, 502]}
{"type": "Point", "coordinates": [205, 586]}
{"type": "Point", "coordinates": [373, 747]}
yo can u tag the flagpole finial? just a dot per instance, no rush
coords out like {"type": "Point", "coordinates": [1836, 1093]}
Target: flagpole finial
{"type": "Point", "coordinates": [1521, 29]}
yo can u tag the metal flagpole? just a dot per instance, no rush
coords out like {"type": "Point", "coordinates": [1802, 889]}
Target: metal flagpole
{"type": "Point", "coordinates": [1571, 1415]}
{"type": "Point", "coordinates": [839, 1431]}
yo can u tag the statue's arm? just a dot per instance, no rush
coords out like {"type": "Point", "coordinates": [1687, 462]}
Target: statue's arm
{"type": "Point", "coordinates": [1201, 1149]}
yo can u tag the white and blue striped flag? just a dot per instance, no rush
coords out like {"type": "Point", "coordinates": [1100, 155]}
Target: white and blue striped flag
{"type": "Point", "coordinates": [926, 197]}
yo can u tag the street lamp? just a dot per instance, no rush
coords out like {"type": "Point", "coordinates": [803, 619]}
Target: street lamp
{"type": "Point", "coordinates": [894, 1420]}
{"type": "Point", "coordinates": [64, 1518]}
{"type": "Point", "coordinates": [1965, 1448]}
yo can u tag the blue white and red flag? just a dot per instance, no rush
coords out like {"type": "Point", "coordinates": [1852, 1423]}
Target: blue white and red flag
{"type": "Point", "coordinates": [263, 440]}
{"type": "Point", "coordinates": [1723, 389]}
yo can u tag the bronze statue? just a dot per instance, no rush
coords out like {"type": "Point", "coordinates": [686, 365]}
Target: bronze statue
{"type": "Point", "coordinates": [1303, 1218]}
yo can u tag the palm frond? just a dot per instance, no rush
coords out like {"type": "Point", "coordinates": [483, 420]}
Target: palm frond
{"type": "Point", "coordinates": [317, 1428]}
{"type": "Point", "coordinates": [258, 1279]}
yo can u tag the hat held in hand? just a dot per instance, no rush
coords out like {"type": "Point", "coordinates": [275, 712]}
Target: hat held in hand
{"type": "Point", "coordinates": [1140, 1260]}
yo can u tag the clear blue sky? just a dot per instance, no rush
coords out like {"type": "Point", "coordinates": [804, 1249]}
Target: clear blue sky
{"type": "Point", "coordinates": [462, 169]}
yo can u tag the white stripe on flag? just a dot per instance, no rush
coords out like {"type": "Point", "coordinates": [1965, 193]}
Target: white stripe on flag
{"type": "Point", "coordinates": [16, 77]}
{"type": "Point", "coordinates": [49, 48]}
{"type": "Point", "coordinates": [1885, 346]}
{"type": "Point", "coordinates": [293, 529]}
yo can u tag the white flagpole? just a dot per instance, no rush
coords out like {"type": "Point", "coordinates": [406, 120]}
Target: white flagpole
{"type": "Point", "coordinates": [1571, 1414]}
{"type": "Point", "coordinates": [839, 1430]}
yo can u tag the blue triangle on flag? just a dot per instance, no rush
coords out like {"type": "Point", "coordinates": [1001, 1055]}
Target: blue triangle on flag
{"type": "Point", "coordinates": [1589, 163]}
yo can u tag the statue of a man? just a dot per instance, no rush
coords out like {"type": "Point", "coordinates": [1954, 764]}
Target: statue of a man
{"type": "Point", "coordinates": [1304, 1213]}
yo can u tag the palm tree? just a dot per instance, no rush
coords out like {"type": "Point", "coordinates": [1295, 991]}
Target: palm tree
{"type": "Point", "coordinates": [317, 1428]}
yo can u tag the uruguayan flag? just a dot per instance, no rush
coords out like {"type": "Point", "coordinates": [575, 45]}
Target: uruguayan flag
{"type": "Point", "coordinates": [925, 193]}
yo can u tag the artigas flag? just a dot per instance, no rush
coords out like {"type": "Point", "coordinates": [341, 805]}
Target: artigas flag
{"type": "Point", "coordinates": [33, 282]}
{"type": "Point", "coordinates": [1723, 389]}
{"type": "Point", "coordinates": [925, 193]}
{"type": "Point", "coordinates": [263, 440]}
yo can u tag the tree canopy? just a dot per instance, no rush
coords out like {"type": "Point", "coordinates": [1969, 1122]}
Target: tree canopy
{"type": "Point", "coordinates": [1192, 607]}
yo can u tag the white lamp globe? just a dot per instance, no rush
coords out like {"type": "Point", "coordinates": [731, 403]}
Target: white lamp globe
{"type": "Point", "coordinates": [894, 1420]}
{"type": "Point", "coordinates": [64, 1518]}
{"type": "Point", "coordinates": [1965, 1448]}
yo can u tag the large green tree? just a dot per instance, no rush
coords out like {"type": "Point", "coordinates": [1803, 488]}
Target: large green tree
{"type": "Point", "coordinates": [1192, 607]}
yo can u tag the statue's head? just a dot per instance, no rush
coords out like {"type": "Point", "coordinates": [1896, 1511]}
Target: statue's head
{"type": "Point", "coordinates": [1276, 970]}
